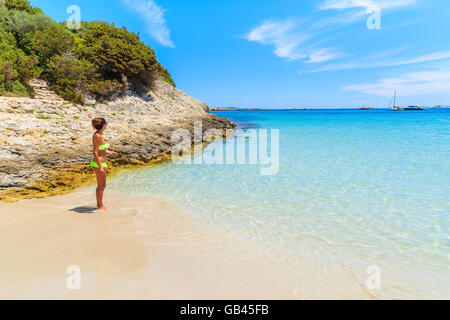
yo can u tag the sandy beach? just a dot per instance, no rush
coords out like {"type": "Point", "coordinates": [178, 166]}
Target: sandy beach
{"type": "Point", "coordinates": [122, 254]}
{"type": "Point", "coordinates": [300, 153]}
{"type": "Point", "coordinates": [139, 249]}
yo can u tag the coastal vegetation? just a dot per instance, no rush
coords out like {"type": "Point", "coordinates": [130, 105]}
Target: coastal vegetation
{"type": "Point", "coordinates": [99, 60]}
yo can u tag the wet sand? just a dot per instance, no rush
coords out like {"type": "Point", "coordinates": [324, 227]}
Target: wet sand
{"type": "Point", "coordinates": [141, 248]}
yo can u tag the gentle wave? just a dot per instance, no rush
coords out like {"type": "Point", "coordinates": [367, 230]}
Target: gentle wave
{"type": "Point", "coordinates": [355, 189]}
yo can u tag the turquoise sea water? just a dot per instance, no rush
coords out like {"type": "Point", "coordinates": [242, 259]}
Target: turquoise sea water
{"type": "Point", "coordinates": [354, 188]}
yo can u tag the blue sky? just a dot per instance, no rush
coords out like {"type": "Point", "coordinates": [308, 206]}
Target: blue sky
{"type": "Point", "coordinates": [291, 53]}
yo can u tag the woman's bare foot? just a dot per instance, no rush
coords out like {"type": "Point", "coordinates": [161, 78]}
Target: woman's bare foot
{"type": "Point", "coordinates": [103, 208]}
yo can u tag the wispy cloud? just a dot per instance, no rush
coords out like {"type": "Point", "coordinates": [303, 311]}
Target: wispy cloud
{"type": "Point", "coordinates": [313, 39]}
{"type": "Point", "coordinates": [279, 34]}
{"type": "Point", "coordinates": [153, 15]}
{"type": "Point", "coordinates": [368, 5]}
{"type": "Point", "coordinates": [289, 42]}
{"type": "Point", "coordinates": [322, 55]}
{"type": "Point", "coordinates": [409, 84]}
{"type": "Point", "coordinates": [297, 39]}
{"type": "Point", "coordinates": [345, 18]}
{"type": "Point", "coordinates": [377, 62]}
{"type": "Point", "coordinates": [355, 10]}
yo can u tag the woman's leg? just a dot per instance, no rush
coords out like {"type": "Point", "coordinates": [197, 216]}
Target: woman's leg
{"type": "Point", "coordinates": [101, 185]}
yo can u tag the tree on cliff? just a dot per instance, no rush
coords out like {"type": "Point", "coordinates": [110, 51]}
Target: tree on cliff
{"type": "Point", "coordinates": [20, 5]}
{"type": "Point", "coordinates": [100, 59]}
{"type": "Point", "coordinates": [16, 68]}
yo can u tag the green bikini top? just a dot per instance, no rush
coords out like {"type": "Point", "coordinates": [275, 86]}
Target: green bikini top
{"type": "Point", "coordinates": [103, 147]}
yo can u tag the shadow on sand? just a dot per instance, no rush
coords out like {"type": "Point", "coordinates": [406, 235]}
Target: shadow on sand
{"type": "Point", "coordinates": [84, 210]}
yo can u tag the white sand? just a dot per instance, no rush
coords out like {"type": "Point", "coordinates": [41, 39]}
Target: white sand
{"type": "Point", "coordinates": [139, 249]}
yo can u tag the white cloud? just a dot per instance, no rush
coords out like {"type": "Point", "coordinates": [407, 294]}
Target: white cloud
{"type": "Point", "coordinates": [322, 55]}
{"type": "Point", "coordinates": [337, 20]}
{"type": "Point", "coordinates": [270, 31]}
{"type": "Point", "coordinates": [153, 14]}
{"type": "Point", "coordinates": [309, 39]}
{"type": "Point", "coordinates": [409, 84]}
{"type": "Point", "coordinates": [355, 10]}
{"type": "Point", "coordinates": [280, 34]}
{"type": "Point", "coordinates": [290, 43]}
{"type": "Point", "coordinates": [375, 62]}
{"type": "Point", "coordinates": [368, 5]}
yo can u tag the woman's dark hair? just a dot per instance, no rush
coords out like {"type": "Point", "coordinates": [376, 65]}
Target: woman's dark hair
{"type": "Point", "coordinates": [98, 123]}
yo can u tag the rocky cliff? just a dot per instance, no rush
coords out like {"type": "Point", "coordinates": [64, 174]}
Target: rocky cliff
{"type": "Point", "coordinates": [45, 141]}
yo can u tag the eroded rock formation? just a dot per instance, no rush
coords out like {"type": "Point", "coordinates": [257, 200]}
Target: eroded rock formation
{"type": "Point", "coordinates": [45, 141]}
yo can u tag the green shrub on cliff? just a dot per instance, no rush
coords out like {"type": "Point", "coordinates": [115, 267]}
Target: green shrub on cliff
{"type": "Point", "coordinates": [21, 5]}
{"type": "Point", "coordinates": [16, 68]}
{"type": "Point", "coordinates": [22, 22]}
{"type": "Point", "coordinates": [51, 41]}
{"type": "Point", "coordinates": [71, 77]}
{"type": "Point", "coordinates": [115, 51]}
{"type": "Point", "coordinates": [3, 13]}
{"type": "Point", "coordinates": [119, 53]}
{"type": "Point", "coordinates": [165, 76]}
{"type": "Point", "coordinates": [99, 60]}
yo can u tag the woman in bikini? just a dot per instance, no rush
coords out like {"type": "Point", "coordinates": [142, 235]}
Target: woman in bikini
{"type": "Point", "coordinates": [100, 148]}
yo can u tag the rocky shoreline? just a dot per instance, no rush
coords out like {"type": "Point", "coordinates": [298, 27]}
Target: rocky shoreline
{"type": "Point", "coordinates": [45, 141]}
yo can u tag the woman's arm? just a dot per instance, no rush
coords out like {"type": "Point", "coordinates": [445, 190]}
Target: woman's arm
{"type": "Point", "coordinates": [112, 153]}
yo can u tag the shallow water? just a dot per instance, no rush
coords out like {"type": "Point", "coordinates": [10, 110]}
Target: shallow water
{"type": "Point", "coordinates": [354, 189]}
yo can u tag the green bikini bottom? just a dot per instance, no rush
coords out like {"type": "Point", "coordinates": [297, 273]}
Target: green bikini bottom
{"type": "Point", "coordinates": [95, 165]}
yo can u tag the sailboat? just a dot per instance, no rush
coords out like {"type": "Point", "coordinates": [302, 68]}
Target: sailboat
{"type": "Point", "coordinates": [410, 108]}
{"type": "Point", "coordinates": [394, 107]}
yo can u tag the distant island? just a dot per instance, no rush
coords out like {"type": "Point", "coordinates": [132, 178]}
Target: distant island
{"type": "Point", "coordinates": [252, 109]}
{"type": "Point", "coordinates": [306, 109]}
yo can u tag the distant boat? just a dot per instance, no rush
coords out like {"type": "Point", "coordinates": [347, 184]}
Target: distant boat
{"type": "Point", "coordinates": [410, 108]}
{"type": "Point", "coordinates": [414, 108]}
{"type": "Point", "coordinates": [394, 107]}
